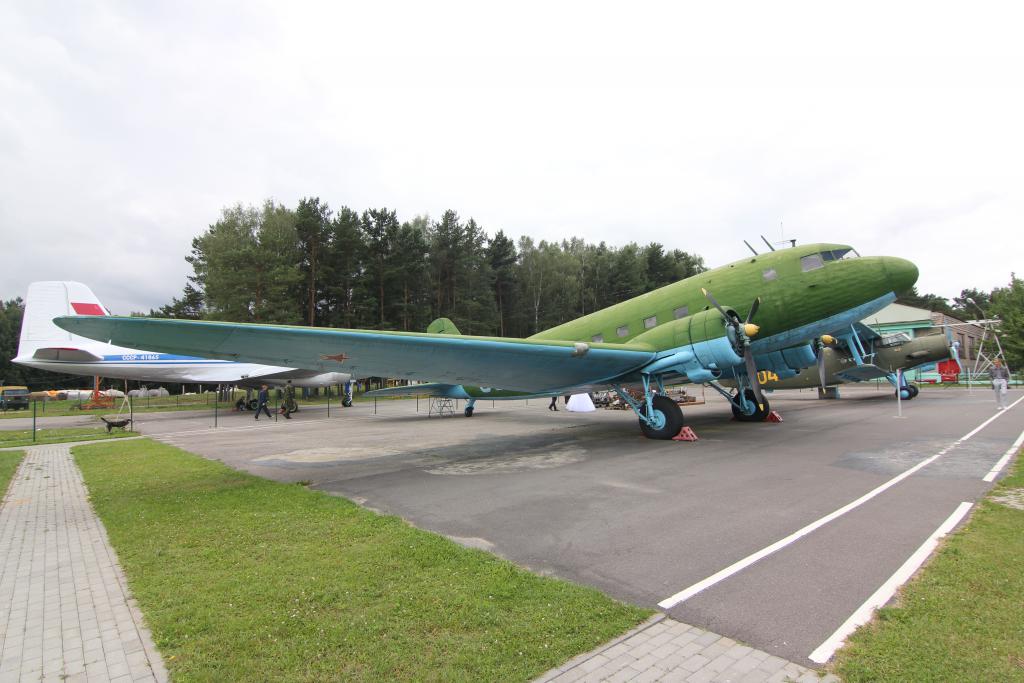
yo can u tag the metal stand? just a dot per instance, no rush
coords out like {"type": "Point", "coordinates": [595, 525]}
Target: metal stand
{"type": "Point", "coordinates": [441, 406]}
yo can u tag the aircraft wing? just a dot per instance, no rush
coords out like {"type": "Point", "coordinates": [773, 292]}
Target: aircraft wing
{"type": "Point", "coordinates": [865, 333]}
{"type": "Point", "coordinates": [508, 363]}
{"type": "Point", "coordinates": [427, 389]}
{"type": "Point", "coordinates": [860, 373]}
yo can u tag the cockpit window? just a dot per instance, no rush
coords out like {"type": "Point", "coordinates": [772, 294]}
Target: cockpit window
{"type": "Point", "coordinates": [894, 339]}
{"type": "Point", "coordinates": [811, 262]}
{"type": "Point", "coordinates": [838, 254]}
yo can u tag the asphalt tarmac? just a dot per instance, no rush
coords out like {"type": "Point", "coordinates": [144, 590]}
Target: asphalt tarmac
{"type": "Point", "coordinates": [585, 497]}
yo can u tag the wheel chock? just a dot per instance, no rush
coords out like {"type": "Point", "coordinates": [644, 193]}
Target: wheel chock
{"type": "Point", "coordinates": [685, 434]}
{"type": "Point", "coordinates": [773, 416]}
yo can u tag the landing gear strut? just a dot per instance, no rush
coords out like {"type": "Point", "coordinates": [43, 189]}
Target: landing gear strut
{"type": "Point", "coordinates": [468, 412]}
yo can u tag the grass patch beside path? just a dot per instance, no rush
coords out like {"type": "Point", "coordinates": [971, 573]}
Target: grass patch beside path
{"type": "Point", "coordinates": [962, 617]}
{"type": "Point", "coordinates": [23, 437]}
{"type": "Point", "coordinates": [9, 461]}
{"type": "Point", "coordinates": [241, 578]}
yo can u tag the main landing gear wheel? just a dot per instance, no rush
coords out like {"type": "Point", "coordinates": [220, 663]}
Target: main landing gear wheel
{"type": "Point", "coordinates": [760, 413]}
{"type": "Point", "coordinates": [346, 402]}
{"type": "Point", "coordinates": [667, 417]}
{"type": "Point", "coordinates": [468, 412]}
{"type": "Point", "coordinates": [910, 392]}
{"type": "Point", "coordinates": [253, 404]}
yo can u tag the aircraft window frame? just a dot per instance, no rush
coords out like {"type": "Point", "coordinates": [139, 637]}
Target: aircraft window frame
{"type": "Point", "coordinates": [769, 274]}
{"type": "Point", "coordinates": [681, 312]}
{"type": "Point", "coordinates": [651, 322]}
{"type": "Point", "coordinates": [894, 339]}
{"type": "Point", "coordinates": [622, 331]}
{"type": "Point", "coordinates": [597, 338]}
{"type": "Point", "coordinates": [811, 262]}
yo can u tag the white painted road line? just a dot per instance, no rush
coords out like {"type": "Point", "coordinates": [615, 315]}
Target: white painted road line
{"type": "Point", "coordinates": [740, 565]}
{"type": "Point", "coordinates": [991, 476]}
{"type": "Point", "coordinates": [991, 419]}
{"type": "Point", "coordinates": [824, 652]}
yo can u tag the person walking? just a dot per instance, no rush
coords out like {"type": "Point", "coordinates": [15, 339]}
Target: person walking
{"type": "Point", "coordinates": [1000, 382]}
{"type": "Point", "coordinates": [554, 404]}
{"type": "Point", "coordinates": [289, 406]}
{"type": "Point", "coordinates": [262, 398]}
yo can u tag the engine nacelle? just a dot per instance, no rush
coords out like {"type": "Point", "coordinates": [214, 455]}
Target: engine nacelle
{"type": "Point", "coordinates": [700, 347]}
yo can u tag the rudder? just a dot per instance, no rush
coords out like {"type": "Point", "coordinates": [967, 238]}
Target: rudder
{"type": "Point", "coordinates": [44, 302]}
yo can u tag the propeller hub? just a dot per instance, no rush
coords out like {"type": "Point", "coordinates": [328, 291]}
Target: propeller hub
{"type": "Point", "coordinates": [750, 329]}
{"type": "Point", "coordinates": [827, 339]}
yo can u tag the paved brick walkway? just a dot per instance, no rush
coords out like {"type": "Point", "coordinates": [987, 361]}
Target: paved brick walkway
{"type": "Point", "coordinates": [65, 610]}
{"type": "Point", "coordinates": [662, 649]}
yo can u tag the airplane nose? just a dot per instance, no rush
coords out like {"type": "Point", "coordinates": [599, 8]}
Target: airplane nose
{"type": "Point", "coordinates": [902, 274]}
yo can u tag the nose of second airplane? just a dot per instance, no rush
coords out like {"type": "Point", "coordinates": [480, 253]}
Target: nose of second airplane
{"type": "Point", "coordinates": [901, 273]}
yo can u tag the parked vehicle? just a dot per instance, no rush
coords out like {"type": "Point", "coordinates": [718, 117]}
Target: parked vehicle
{"type": "Point", "coordinates": [13, 398]}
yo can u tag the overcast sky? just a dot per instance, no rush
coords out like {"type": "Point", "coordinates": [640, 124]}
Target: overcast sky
{"type": "Point", "coordinates": [125, 127]}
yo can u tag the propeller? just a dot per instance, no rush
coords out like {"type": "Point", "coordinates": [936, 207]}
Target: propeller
{"type": "Point", "coordinates": [739, 334]}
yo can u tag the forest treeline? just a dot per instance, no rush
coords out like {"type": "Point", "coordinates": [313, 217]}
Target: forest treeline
{"type": "Point", "coordinates": [341, 268]}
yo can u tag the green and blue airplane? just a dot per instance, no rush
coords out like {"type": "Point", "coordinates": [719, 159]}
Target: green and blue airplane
{"type": "Point", "coordinates": [678, 333]}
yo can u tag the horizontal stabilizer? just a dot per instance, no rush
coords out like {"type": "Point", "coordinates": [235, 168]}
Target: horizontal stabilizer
{"type": "Point", "coordinates": [861, 373]}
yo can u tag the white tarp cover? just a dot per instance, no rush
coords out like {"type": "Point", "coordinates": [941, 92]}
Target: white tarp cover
{"type": "Point", "coordinates": [581, 403]}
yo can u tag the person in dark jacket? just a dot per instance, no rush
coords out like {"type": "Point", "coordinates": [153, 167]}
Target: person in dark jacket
{"type": "Point", "coordinates": [554, 403]}
{"type": "Point", "coordinates": [262, 399]}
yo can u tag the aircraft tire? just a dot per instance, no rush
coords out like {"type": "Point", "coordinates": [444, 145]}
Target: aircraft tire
{"type": "Point", "coordinates": [253, 404]}
{"type": "Point", "coordinates": [758, 415]}
{"type": "Point", "coordinates": [468, 412]}
{"type": "Point", "coordinates": [673, 415]}
{"type": "Point", "coordinates": [346, 402]}
{"type": "Point", "coordinates": [914, 391]}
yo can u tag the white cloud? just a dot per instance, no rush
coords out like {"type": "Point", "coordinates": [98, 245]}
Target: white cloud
{"type": "Point", "coordinates": [894, 128]}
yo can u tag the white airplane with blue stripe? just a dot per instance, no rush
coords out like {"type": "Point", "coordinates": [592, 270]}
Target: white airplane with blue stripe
{"type": "Point", "coordinates": [45, 346]}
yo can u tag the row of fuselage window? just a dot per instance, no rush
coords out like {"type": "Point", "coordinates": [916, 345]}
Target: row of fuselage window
{"type": "Point", "coordinates": [623, 330]}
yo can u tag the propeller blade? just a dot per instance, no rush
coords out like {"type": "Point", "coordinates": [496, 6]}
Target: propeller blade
{"type": "Point", "coordinates": [753, 309]}
{"type": "Point", "coordinates": [821, 366]}
{"type": "Point", "coordinates": [714, 303]}
{"type": "Point", "coordinates": [755, 384]}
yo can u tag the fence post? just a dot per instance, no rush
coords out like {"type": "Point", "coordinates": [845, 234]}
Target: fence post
{"type": "Point", "coordinates": [328, 401]}
{"type": "Point", "coordinates": [34, 421]}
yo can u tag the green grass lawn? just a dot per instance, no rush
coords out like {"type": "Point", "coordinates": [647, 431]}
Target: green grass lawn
{"type": "Point", "coordinates": [962, 617]}
{"type": "Point", "coordinates": [9, 461]}
{"type": "Point", "coordinates": [241, 578]}
{"type": "Point", "coordinates": [23, 437]}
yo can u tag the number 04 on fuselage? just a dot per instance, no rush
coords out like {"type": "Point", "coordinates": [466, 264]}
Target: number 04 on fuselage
{"type": "Point", "coordinates": [760, 313]}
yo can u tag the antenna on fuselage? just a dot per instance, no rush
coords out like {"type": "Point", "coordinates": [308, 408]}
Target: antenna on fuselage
{"type": "Point", "coordinates": [750, 248]}
{"type": "Point", "coordinates": [767, 242]}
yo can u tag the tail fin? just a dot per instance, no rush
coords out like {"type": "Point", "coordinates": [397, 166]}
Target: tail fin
{"type": "Point", "coordinates": [442, 326]}
{"type": "Point", "coordinates": [46, 301]}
